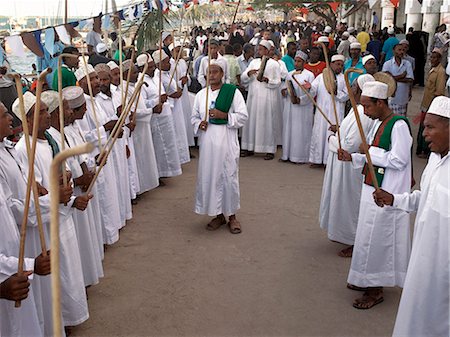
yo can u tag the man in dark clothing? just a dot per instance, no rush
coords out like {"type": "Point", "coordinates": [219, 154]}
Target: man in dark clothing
{"type": "Point", "coordinates": [418, 42]}
{"type": "Point", "coordinates": [100, 55]}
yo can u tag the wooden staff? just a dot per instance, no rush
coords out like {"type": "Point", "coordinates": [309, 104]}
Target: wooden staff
{"type": "Point", "coordinates": [31, 182]}
{"type": "Point", "coordinates": [333, 99]}
{"type": "Point", "coordinates": [234, 19]}
{"type": "Point", "coordinates": [177, 60]}
{"type": "Point", "coordinates": [313, 101]}
{"type": "Point", "coordinates": [54, 230]}
{"type": "Point", "coordinates": [61, 109]}
{"type": "Point", "coordinates": [207, 80]}
{"type": "Point", "coordinates": [115, 134]}
{"type": "Point", "coordinates": [120, 63]}
{"type": "Point", "coordinates": [160, 59]}
{"type": "Point", "coordinates": [94, 111]}
{"type": "Point", "coordinates": [133, 54]}
{"type": "Point", "coordinates": [360, 127]}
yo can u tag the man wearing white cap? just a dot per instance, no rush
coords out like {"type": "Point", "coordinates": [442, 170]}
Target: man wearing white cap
{"type": "Point", "coordinates": [352, 36]}
{"type": "Point", "coordinates": [424, 306]}
{"type": "Point", "coordinates": [215, 55]}
{"type": "Point", "coordinates": [387, 52]}
{"type": "Point", "coordinates": [402, 72]}
{"type": "Point", "coordinates": [382, 244]}
{"type": "Point", "coordinates": [370, 64]}
{"type": "Point", "coordinates": [106, 100]}
{"type": "Point", "coordinates": [342, 183]}
{"type": "Point", "coordinates": [259, 133]}
{"type": "Point", "coordinates": [162, 123]}
{"type": "Point", "coordinates": [100, 55]}
{"type": "Point", "coordinates": [184, 80]}
{"type": "Point", "coordinates": [406, 56]}
{"type": "Point", "coordinates": [318, 153]}
{"type": "Point", "coordinates": [73, 295]}
{"type": "Point", "coordinates": [167, 40]}
{"type": "Point", "coordinates": [95, 127]}
{"type": "Point", "coordinates": [344, 45]}
{"type": "Point", "coordinates": [217, 192]}
{"type": "Point", "coordinates": [355, 61]}
{"type": "Point", "coordinates": [298, 114]}
{"type": "Point", "coordinates": [174, 93]}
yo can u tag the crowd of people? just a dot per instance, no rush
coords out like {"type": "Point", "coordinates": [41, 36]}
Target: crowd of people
{"type": "Point", "coordinates": [235, 92]}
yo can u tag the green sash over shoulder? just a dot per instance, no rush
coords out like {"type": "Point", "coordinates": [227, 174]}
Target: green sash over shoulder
{"type": "Point", "coordinates": [224, 102]}
{"type": "Point", "coordinates": [383, 140]}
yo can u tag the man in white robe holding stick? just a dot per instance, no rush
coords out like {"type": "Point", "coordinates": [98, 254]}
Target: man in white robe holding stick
{"type": "Point", "coordinates": [299, 115]}
{"type": "Point", "coordinates": [342, 183]}
{"type": "Point", "coordinates": [424, 306]}
{"type": "Point", "coordinates": [382, 244]}
{"type": "Point", "coordinates": [318, 154]}
{"type": "Point", "coordinates": [219, 111]}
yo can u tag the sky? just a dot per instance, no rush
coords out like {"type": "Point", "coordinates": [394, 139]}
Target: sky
{"type": "Point", "coordinates": [83, 8]}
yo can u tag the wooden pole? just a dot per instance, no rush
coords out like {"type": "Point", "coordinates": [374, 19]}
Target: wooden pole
{"type": "Point", "coordinates": [54, 230]}
{"type": "Point", "coordinates": [177, 60]}
{"type": "Point", "coordinates": [360, 127]}
{"type": "Point", "coordinates": [31, 182]}
{"type": "Point", "coordinates": [133, 54]}
{"type": "Point", "coordinates": [333, 98]}
{"type": "Point", "coordinates": [312, 100]}
{"type": "Point", "coordinates": [160, 59]}
{"type": "Point", "coordinates": [121, 63]}
{"type": "Point", "coordinates": [207, 80]}
{"type": "Point", "coordinates": [234, 19]}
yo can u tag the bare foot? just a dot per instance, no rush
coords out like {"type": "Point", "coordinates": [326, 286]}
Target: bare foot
{"type": "Point", "coordinates": [346, 252]}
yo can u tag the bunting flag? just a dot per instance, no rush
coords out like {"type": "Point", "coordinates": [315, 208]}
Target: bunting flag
{"type": "Point", "coordinates": [16, 45]}
{"type": "Point", "coordinates": [49, 43]}
{"type": "Point", "coordinates": [334, 6]}
{"type": "Point", "coordinates": [63, 35]}
{"type": "Point", "coordinates": [131, 16]}
{"type": "Point", "coordinates": [30, 41]}
{"type": "Point", "coordinates": [395, 3]}
{"type": "Point", "coordinates": [106, 22]}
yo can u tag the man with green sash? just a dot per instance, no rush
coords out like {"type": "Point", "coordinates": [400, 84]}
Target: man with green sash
{"type": "Point", "coordinates": [219, 111]}
{"type": "Point", "coordinates": [68, 66]}
{"type": "Point", "coordinates": [382, 244]}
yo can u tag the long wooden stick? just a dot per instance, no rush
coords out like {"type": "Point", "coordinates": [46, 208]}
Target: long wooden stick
{"type": "Point", "coordinates": [160, 59]}
{"type": "Point", "coordinates": [312, 100]}
{"type": "Point", "coordinates": [61, 109]}
{"type": "Point", "coordinates": [54, 230]}
{"type": "Point", "coordinates": [31, 182]}
{"type": "Point", "coordinates": [207, 80]}
{"type": "Point", "coordinates": [234, 19]}
{"type": "Point", "coordinates": [177, 60]}
{"type": "Point", "coordinates": [133, 54]}
{"type": "Point", "coordinates": [333, 98]}
{"type": "Point", "coordinates": [115, 135]}
{"type": "Point", "coordinates": [94, 111]}
{"type": "Point", "coordinates": [360, 127]}
{"type": "Point", "coordinates": [121, 63]}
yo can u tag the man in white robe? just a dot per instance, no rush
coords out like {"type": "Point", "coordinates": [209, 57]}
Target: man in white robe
{"type": "Point", "coordinates": [318, 154]}
{"type": "Point", "coordinates": [424, 306]}
{"type": "Point", "coordinates": [174, 93]}
{"type": "Point", "coordinates": [85, 225]}
{"type": "Point", "coordinates": [73, 295]}
{"type": "Point", "coordinates": [218, 170]}
{"type": "Point", "coordinates": [297, 116]}
{"type": "Point", "coordinates": [163, 129]}
{"type": "Point", "coordinates": [95, 127]}
{"type": "Point", "coordinates": [142, 135]}
{"type": "Point", "coordinates": [342, 183]}
{"type": "Point", "coordinates": [118, 153]}
{"type": "Point", "coordinates": [382, 244]}
{"type": "Point", "coordinates": [259, 133]}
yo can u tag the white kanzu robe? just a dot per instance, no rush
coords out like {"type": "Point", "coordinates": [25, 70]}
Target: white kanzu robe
{"type": "Point", "coordinates": [424, 306]}
{"type": "Point", "coordinates": [298, 121]}
{"type": "Point", "coordinates": [382, 243]}
{"type": "Point", "coordinates": [319, 146]}
{"type": "Point", "coordinates": [259, 133]}
{"type": "Point", "coordinates": [281, 100]}
{"type": "Point", "coordinates": [163, 131]}
{"type": "Point", "coordinates": [342, 183]}
{"type": "Point", "coordinates": [218, 168]}
{"type": "Point", "coordinates": [73, 296]}
{"type": "Point", "coordinates": [143, 145]}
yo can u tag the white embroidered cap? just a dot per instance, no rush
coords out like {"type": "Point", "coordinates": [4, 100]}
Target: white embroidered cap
{"type": "Point", "coordinates": [29, 100]}
{"type": "Point", "coordinates": [375, 89]}
{"type": "Point", "coordinates": [112, 65]}
{"type": "Point", "coordinates": [337, 57]}
{"type": "Point", "coordinates": [101, 48]}
{"type": "Point", "coordinates": [440, 106]}
{"type": "Point", "coordinates": [142, 59]}
{"type": "Point", "coordinates": [217, 63]}
{"type": "Point", "coordinates": [363, 79]}
{"type": "Point", "coordinates": [81, 73]}
{"type": "Point", "coordinates": [323, 39]}
{"type": "Point", "coordinates": [355, 45]}
{"type": "Point", "coordinates": [367, 58]}
{"type": "Point", "coordinates": [51, 99]}
{"type": "Point", "coordinates": [74, 96]}
{"type": "Point", "coordinates": [266, 44]}
{"type": "Point", "coordinates": [156, 57]}
{"type": "Point", "coordinates": [302, 55]}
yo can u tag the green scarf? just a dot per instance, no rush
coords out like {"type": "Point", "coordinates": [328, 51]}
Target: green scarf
{"type": "Point", "coordinates": [382, 140]}
{"type": "Point", "coordinates": [53, 144]}
{"type": "Point", "coordinates": [224, 102]}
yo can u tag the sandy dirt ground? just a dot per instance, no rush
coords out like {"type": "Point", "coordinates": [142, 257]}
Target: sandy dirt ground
{"type": "Point", "coordinates": [168, 276]}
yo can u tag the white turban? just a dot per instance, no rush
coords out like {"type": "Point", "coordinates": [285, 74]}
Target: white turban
{"type": "Point", "coordinates": [142, 59]}
{"type": "Point", "coordinates": [355, 45]}
{"type": "Point", "coordinates": [51, 99]}
{"type": "Point", "coordinates": [375, 90]}
{"type": "Point", "coordinates": [112, 65]}
{"type": "Point", "coordinates": [156, 57]}
{"type": "Point", "coordinates": [74, 96]}
{"type": "Point", "coordinates": [29, 100]}
{"type": "Point", "coordinates": [440, 106]}
{"type": "Point", "coordinates": [367, 58]}
{"type": "Point", "coordinates": [266, 44]}
{"type": "Point", "coordinates": [338, 57]}
{"type": "Point", "coordinates": [80, 73]}
{"type": "Point", "coordinates": [363, 79]}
